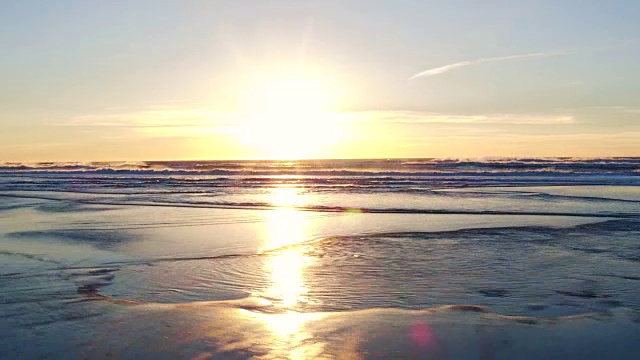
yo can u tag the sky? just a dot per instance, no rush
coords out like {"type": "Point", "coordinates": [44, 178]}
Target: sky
{"type": "Point", "coordinates": [248, 79]}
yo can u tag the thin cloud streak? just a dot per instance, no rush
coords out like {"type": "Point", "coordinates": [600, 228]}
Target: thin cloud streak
{"type": "Point", "coordinates": [163, 117]}
{"type": "Point", "coordinates": [157, 122]}
{"type": "Point", "coordinates": [419, 117]}
{"type": "Point", "coordinates": [446, 68]}
{"type": "Point", "coordinates": [198, 118]}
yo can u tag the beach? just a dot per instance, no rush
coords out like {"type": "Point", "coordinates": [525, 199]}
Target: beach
{"type": "Point", "coordinates": [415, 258]}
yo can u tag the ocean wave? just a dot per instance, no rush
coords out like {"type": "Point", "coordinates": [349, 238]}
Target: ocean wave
{"type": "Point", "coordinates": [263, 305]}
{"type": "Point", "coordinates": [421, 167]}
{"type": "Point", "coordinates": [347, 176]}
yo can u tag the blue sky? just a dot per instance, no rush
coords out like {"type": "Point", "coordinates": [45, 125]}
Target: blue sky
{"type": "Point", "coordinates": [91, 80]}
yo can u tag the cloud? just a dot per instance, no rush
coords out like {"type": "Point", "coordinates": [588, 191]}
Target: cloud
{"type": "Point", "coordinates": [184, 122]}
{"type": "Point", "coordinates": [155, 122]}
{"type": "Point", "coordinates": [419, 117]}
{"type": "Point", "coordinates": [163, 117]}
{"type": "Point", "coordinates": [446, 68]}
{"type": "Point", "coordinates": [619, 109]}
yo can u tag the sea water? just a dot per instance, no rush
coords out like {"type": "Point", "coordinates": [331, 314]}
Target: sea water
{"type": "Point", "coordinates": [414, 258]}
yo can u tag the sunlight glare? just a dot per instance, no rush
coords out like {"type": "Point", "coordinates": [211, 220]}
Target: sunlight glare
{"type": "Point", "coordinates": [290, 336]}
{"type": "Point", "coordinates": [286, 226]}
{"type": "Point", "coordinates": [285, 197]}
{"type": "Point", "coordinates": [287, 277]}
{"type": "Point", "coordinates": [290, 117]}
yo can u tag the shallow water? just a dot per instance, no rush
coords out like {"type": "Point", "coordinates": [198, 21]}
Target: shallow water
{"type": "Point", "coordinates": [324, 241]}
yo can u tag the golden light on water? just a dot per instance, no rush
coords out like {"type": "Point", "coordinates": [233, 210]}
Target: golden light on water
{"type": "Point", "coordinates": [290, 336]}
{"type": "Point", "coordinates": [286, 226]}
{"type": "Point", "coordinates": [287, 277]}
{"type": "Point", "coordinates": [285, 197]}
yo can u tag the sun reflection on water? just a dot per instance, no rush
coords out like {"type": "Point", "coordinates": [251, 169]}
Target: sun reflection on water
{"type": "Point", "coordinates": [292, 333]}
{"type": "Point", "coordinates": [287, 277]}
{"type": "Point", "coordinates": [291, 338]}
{"type": "Point", "coordinates": [285, 197]}
{"type": "Point", "coordinates": [286, 226]}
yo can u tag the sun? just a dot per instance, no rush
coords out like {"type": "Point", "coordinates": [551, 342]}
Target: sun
{"type": "Point", "coordinates": [290, 117]}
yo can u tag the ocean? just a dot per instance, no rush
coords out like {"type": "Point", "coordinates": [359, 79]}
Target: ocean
{"type": "Point", "coordinates": [398, 258]}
